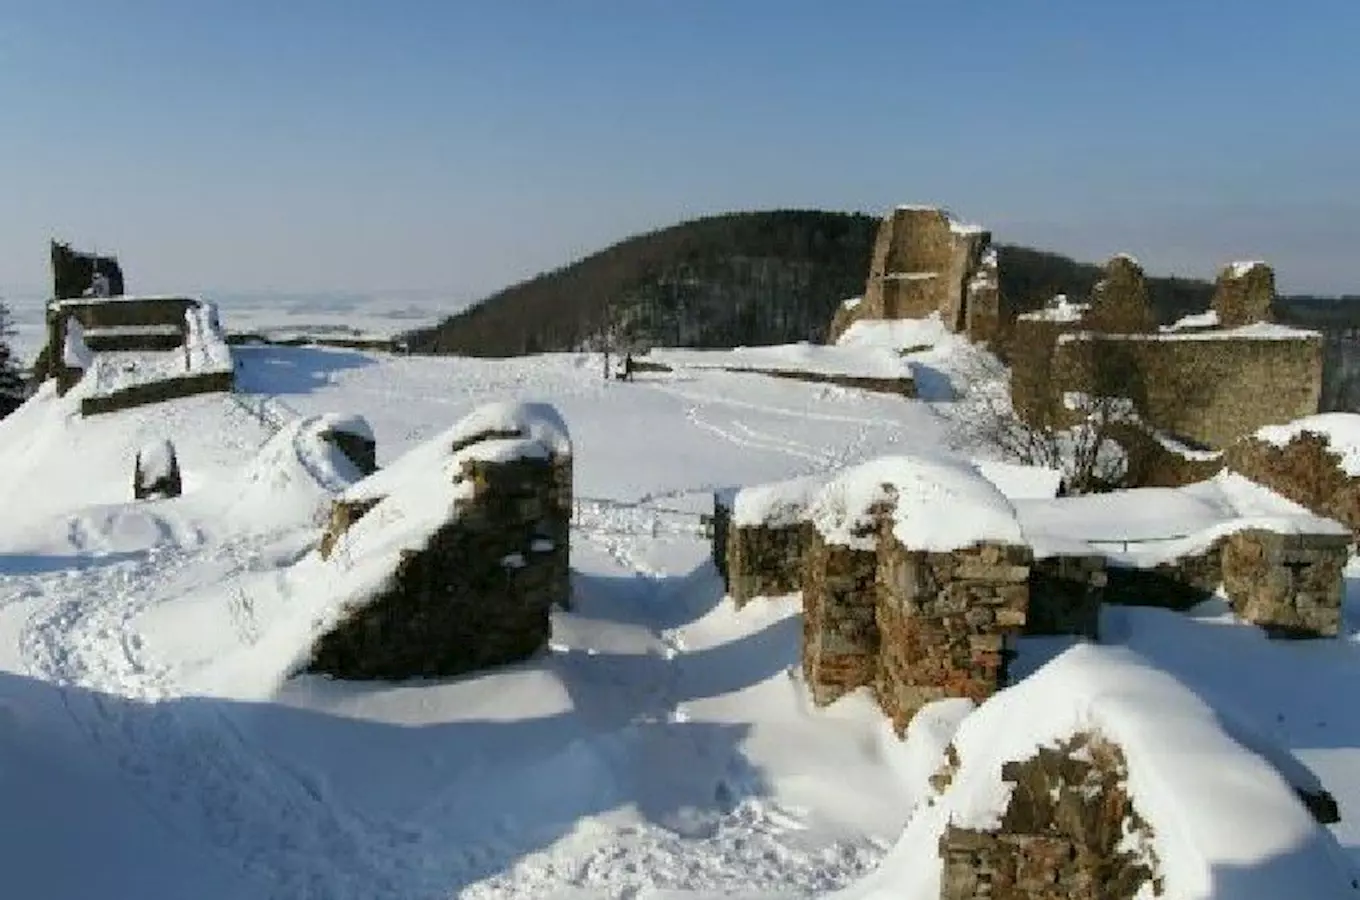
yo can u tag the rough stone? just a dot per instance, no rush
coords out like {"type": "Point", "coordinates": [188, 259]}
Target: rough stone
{"type": "Point", "coordinates": [1069, 832]}
{"type": "Point", "coordinates": [1305, 470]}
{"type": "Point", "coordinates": [1288, 584]}
{"type": "Point", "coordinates": [1119, 303]}
{"type": "Point", "coordinates": [840, 634]}
{"type": "Point", "coordinates": [479, 592]}
{"type": "Point", "coordinates": [1244, 294]}
{"type": "Point", "coordinates": [765, 561]}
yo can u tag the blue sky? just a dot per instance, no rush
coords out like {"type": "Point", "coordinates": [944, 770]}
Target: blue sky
{"type": "Point", "coordinates": [301, 145]}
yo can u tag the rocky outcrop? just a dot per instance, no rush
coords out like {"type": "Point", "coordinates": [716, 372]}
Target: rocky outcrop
{"type": "Point", "coordinates": [458, 551]}
{"type": "Point", "coordinates": [156, 472]}
{"type": "Point", "coordinates": [1069, 832]}
{"type": "Point", "coordinates": [1244, 294]}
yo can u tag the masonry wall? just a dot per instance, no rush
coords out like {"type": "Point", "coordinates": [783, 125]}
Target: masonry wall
{"type": "Point", "coordinates": [840, 629]}
{"type": "Point", "coordinates": [1288, 584]}
{"type": "Point", "coordinates": [765, 562]}
{"type": "Point", "coordinates": [157, 392]}
{"type": "Point", "coordinates": [943, 620]}
{"type": "Point", "coordinates": [1306, 471]}
{"type": "Point", "coordinates": [1209, 391]}
{"type": "Point", "coordinates": [1065, 833]}
{"type": "Point", "coordinates": [479, 594]}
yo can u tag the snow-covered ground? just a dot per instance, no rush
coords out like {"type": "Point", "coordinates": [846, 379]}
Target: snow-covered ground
{"type": "Point", "coordinates": [152, 744]}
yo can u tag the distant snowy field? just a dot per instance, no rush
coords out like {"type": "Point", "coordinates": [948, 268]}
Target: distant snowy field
{"type": "Point", "coordinates": [328, 314]}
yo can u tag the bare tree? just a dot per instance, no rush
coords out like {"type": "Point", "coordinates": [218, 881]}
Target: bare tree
{"type": "Point", "coordinates": [1074, 433]}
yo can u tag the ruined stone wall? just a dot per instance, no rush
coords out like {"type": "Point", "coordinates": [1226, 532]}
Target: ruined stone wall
{"type": "Point", "coordinates": [1119, 303]}
{"type": "Point", "coordinates": [1065, 593]}
{"type": "Point", "coordinates": [943, 619]}
{"type": "Point", "coordinates": [840, 630]}
{"type": "Point", "coordinates": [1245, 293]}
{"type": "Point", "coordinates": [72, 271]}
{"type": "Point", "coordinates": [157, 392]}
{"type": "Point", "coordinates": [479, 594]}
{"type": "Point", "coordinates": [765, 561]}
{"type": "Point", "coordinates": [902, 387]}
{"type": "Point", "coordinates": [921, 264]}
{"type": "Point", "coordinates": [1306, 471]}
{"type": "Point", "coordinates": [1288, 584]}
{"type": "Point", "coordinates": [158, 313]}
{"type": "Point", "coordinates": [1069, 832]}
{"type": "Point", "coordinates": [1177, 585]}
{"type": "Point", "coordinates": [1210, 391]}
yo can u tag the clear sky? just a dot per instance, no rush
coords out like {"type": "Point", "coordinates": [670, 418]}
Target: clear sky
{"type": "Point", "coordinates": [308, 145]}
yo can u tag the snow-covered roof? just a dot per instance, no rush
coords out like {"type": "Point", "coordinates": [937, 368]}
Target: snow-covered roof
{"type": "Point", "coordinates": [777, 505]}
{"type": "Point", "coordinates": [1342, 431]}
{"type": "Point", "coordinates": [937, 504]}
{"type": "Point", "coordinates": [1212, 804]}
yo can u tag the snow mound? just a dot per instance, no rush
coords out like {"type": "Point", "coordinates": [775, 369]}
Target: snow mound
{"type": "Point", "coordinates": [896, 334]}
{"type": "Point", "coordinates": [156, 460]}
{"type": "Point", "coordinates": [937, 504]}
{"type": "Point", "coordinates": [778, 505]}
{"type": "Point", "coordinates": [1225, 823]}
{"type": "Point", "coordinates": [1342, 431]}
{"type": "Point", "coordinates": [291, 479]}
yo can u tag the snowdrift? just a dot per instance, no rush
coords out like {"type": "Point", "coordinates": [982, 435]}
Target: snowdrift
{"type": "Point", "coordinates": [1225, 822]}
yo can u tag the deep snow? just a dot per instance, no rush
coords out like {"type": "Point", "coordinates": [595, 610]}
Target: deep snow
{"type": "Point", "coordinates": [663, 746]}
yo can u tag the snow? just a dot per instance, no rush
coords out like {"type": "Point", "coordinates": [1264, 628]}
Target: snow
{"type": "Point", "coordinates": [777, 505]}
{"type": "Point", "coordinates": [1147, 526]}
{"type": "Point", "coordinates": [1242, 268]}
{"type": "Point", "coordinates": [814, 358]}
{"type": "Point", "coordinates": [895, 334]}
{"type": "Point", "coordinates": [918, 489]}
{"type": "Point", "coordinates": [663, 746]}
{"type": "Point", "coordinates": [75, 353]}
{"type": "Point", "coordinates": [1224, 821]}
{"type": "Point", "coordinates": [1257, 331]}
{"type": "Point", "coordinates": [1206, 319]}
{"type": "Point", "coordinates": [205, 343]}
{"type": "Point", "coordinates": [851, 303]}
{"type": "Point", "coordinates": [1342, 431]}
{"type": "Point", "coordinates": [910, 276]}
{"type": "Point", "coordinates": [1059, 309]}
{"type": "Point", "coordinates": [156, 459]}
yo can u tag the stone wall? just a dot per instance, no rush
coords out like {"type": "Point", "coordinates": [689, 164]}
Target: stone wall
{"type": "Point", "coordinates": [478, 594]}
{"type": "Point", "coordinates": [122, 313]}
{"type": "Point", "coordinates": [1069, 832]}
{"type": "Point", "coordinates": [922, 263]}
{"type": "Point", "coordinates": [840, 629]}
{"type": "Point", "coordinates": [1305, 470]}
{"type": "Point", "coordinates": [1119, 303]}
{"type": "Point", "coordinates": [1288, 584]}
{"type": "Point", "coordinates": [1245, 293]}
{"type": "Point", "coordinates": [157, 392]}
{"type": "Point", "coordinates": [1177, 584]}
{"type": "Point", "coordinates": [943, 620]}
{"type": "Point", "coordinates": [1207, 390]}
{"type": "Point", "coordinates": [72, 271]}
{"type": "Point", "coordinates": [902, 387]}
{"type": "Point", "coordinates": [765, 561]}
{"type": "Point", "coordinates": [1065, 593]}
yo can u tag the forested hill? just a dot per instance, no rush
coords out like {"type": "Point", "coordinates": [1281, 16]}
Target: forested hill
{"type": "Point", "coordinates": [741, 278]}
